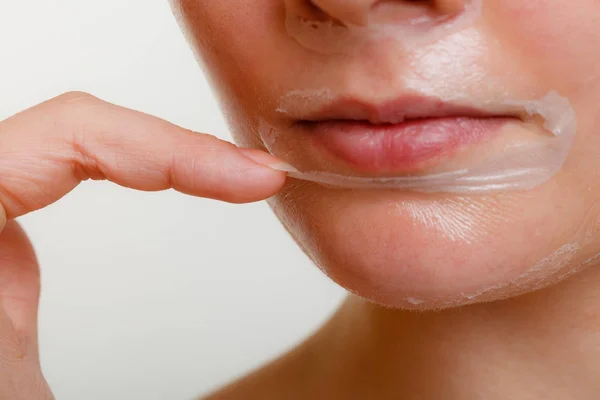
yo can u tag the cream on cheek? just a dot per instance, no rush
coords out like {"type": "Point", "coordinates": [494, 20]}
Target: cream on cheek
{"type": "Point", "coordinates": [578, 253]}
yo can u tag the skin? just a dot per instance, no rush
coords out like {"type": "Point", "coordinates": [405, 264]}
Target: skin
{"type": "Point", "coordinates": [431, 248]}
{"type": "Point", "coordinates": [497, 317]}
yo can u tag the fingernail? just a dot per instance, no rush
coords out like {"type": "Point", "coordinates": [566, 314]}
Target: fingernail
{"type": "Point", "coordinates": [266, 159]}
{"type": "Point", "coordinates": [283, 167]}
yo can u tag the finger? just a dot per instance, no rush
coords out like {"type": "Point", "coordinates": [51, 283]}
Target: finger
{"type": "Point", "coordinates": [19, 292]}
{"type": "Point", "coordinates": [49, 149]}
{"type": "Point", "coordinates": [21, 376]}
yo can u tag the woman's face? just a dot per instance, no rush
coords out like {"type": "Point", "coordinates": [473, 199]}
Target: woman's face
{"type": "Point", "coordinates": [395, 247]}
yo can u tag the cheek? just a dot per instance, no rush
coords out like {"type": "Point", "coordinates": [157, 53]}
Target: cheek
{"type": "Point", "coordinates": [556, 39]}
{"type": "Point", "coordinates": [408, 251]}
{"type": "Point", "coordinates": [234, 43]}
{"type": "Point", "coordinates": [245, 53]}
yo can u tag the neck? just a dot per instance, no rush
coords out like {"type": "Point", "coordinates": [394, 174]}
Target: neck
{"type": "Point", "coordinates": [542, 345]}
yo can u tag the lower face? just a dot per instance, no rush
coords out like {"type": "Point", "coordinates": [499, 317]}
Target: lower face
{"type": "Point", "coordinates": [406, 249]}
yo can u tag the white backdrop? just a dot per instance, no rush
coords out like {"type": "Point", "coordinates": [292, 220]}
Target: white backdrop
{"type": "Point", "coordinates": [147, 296]}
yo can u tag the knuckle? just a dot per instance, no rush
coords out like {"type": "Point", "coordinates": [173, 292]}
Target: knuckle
{"type": "Point", "coordinates": [70, 106]}
{"type": "Point", "coordinates": [74, 118]}
{"type": "Point", "coordinates": [73, 112]}
{"type": "Point", "coordinates": [74, 97]}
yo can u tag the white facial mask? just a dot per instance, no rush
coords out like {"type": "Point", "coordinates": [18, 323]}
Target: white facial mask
{"type": "Point", "coordinates": [328, 37]}
{"type": "Point", "coordinates": [439, 61]}
{"type": "Point", "coordinates": [522, 164]}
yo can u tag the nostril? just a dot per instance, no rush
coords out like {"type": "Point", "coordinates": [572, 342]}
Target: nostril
{"type": "Point", "coordinates": [307, 9]}
{"type": "Point", "coordinates": [317, 12]}
{"type": "Point", "coordinates": [362, 12]}
{"type": "Point", "coordinates": [450, 6]}
{"type": "Point", "coordinates": [331, 27]}
{"type": "Point", "coordinates": [354, 12]}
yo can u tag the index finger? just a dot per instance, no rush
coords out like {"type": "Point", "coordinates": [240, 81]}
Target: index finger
{"type": "Point", "coordinates": [48, 150]}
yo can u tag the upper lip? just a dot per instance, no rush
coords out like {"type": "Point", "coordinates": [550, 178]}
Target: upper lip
{"type": "Point", "coordinates": [393, 112]}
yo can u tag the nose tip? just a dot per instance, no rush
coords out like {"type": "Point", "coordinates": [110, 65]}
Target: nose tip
{"type": "Point", "coordinates": [358, 12]}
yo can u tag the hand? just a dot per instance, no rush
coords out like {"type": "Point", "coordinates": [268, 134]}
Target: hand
{"type": "Point", "coordinates": [48, 150]}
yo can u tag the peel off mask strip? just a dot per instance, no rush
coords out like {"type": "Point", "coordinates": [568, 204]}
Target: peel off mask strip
{"type": "Point", "coordinates": [335, 37]}
{"type": "Point", "coordinates": [514, 159]}
{"type": "Point", "coordinates": [433, 114]}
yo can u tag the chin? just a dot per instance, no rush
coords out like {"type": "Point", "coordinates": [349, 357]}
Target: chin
{"type": "Point", "coordinates": [427, 252]}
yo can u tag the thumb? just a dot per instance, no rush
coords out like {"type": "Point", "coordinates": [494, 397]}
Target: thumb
{"type": "Point", "coordinates": [19, 288]}
{"type": "Point", "coordinates": [20, 371]}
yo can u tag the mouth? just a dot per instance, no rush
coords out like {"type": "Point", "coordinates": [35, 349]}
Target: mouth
{"type": "Point", "coordinates": [406, 136]}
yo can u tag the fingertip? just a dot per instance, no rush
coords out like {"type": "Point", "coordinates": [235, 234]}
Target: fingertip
{"type": "Point", "coordinates": [265, 159]}
{"type": "Point", "coordinates": [263, 180]}
{"type": "Point", "coordinates": [257, 184]}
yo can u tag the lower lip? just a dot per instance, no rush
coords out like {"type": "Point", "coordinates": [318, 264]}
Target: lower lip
{"type": "Point", "coordinates": [404, 147]}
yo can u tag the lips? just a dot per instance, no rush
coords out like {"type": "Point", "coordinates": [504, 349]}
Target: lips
{"type": "Point", "coordinates": [407, 135]}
